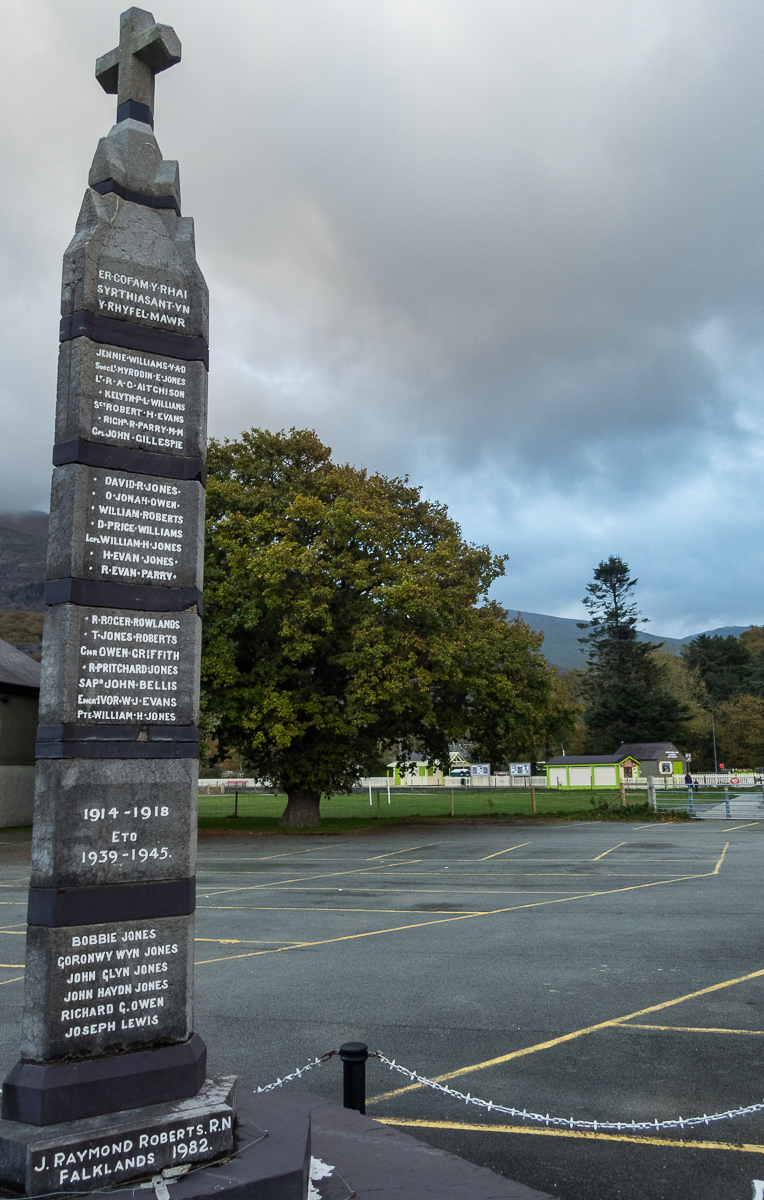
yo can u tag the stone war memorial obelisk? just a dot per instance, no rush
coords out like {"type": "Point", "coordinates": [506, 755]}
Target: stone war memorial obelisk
{"type": "Point", "coordinates": [111, 1084]}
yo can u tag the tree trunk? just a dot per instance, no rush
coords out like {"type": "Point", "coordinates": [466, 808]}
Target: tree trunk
{"type": "Point", "coordinates": [303, 809]}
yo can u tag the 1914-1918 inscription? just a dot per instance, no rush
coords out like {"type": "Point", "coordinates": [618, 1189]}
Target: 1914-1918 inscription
{"type": "Point", "coordinates": [125, 528]}
{"type": "Point", "coordinates": [114, 822]}
{"type": "Point", "coordinates": [109, 987]}
{"type": "Point", "coordinates": [131, 398]}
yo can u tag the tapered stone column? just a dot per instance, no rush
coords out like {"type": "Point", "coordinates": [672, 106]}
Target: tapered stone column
{"type": "Point", "coordinates": [111, 1080]}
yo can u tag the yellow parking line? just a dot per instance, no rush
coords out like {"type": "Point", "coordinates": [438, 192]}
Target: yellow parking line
{"type": "Point", "coordinates": [18, 977]}
{"type": "Point", "coordinates": [13, 966]}
{"type": "Point", "coordinates": [349, 937]}
{"type": "Point", "coordinates": [695, 1029]}
{"type": "Point", "coordinates": [408, 850]}
{"type": "Point", "coordinates": [721, 859]}
{"type": "Point", "coordinates": [588, 1134]}
{"type": "Point", "coordinates": [610, 851]}
{"type": "Point", "coordinates": [732, 828]}
{"type": "Point", "coordinates": [498, 852]}
{"type": "Point", "coordinates": [311, 908]}
{"type": "Point", "coordinates": [568, 1037]}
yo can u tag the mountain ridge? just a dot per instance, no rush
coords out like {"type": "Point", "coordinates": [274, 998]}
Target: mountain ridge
{"type": "Point", "coordinates": [561, 634]}
{"type": "Point", "coordinates": [23, 550]}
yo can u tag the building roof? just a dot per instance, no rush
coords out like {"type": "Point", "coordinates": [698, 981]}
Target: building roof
{"type": "Point", "coordinates": [588, 760]}
{"type": "Point", "coordinates": [647, 751]}
{"type": "Point", "coordinates": [18, 669]}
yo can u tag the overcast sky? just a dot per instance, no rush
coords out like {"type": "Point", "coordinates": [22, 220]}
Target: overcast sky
{"type": "Point", "coordinates": [513, 248]}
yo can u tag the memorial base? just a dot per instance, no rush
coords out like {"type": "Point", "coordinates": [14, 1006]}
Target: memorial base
{"type": "Point", "coordinates": [105, 1151]}
{"type": "Point", "coordinates": [49, 1093]}
{"type": "Point", "coordinates": [268, 1158]}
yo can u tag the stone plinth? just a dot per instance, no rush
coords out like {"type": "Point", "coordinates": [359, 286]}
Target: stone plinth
{"type": "Point", "coordinates": [81, 1156]}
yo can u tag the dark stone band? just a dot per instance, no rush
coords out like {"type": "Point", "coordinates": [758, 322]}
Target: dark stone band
{"type": "Point", "coordinates": [111, 185]}
{"type": "Point", "coordinates": [54, 907]}
{"type": "Point", "coordinates": [118, 458]}
{"type": "Point", "coordinates": [122, 595]}
{"type": "Point", "coordinates": [133, 110]}
{"type": "Point", "coordinates": [44, 1094]}
{"type": "Point", "coordinates": [117, 732]}
{"type": "Point", "coordinates": [129, 336]}
{"type": "Point", "coordinates": [117, 741]}
{"type": "Point", "coordinates": [117, 749]}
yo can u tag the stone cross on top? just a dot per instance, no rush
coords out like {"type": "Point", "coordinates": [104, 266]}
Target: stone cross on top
{"type": "Point", "coordinates": [128, 71]}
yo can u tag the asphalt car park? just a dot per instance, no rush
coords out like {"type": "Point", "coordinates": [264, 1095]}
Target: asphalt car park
{"type": "Point", "coordinates": [590, 971]}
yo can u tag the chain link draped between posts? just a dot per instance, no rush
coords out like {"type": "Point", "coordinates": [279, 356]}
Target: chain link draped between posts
{"type": "Point", "coordinates": [522, 1113]}
{"type": "Point", "coordinates": [314, 1062]}
{"type": "Point", "coordinates": [569, 1122]}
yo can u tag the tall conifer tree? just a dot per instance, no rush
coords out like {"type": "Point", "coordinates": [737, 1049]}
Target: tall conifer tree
{"type": "Point", "coordinates": [625, 690]}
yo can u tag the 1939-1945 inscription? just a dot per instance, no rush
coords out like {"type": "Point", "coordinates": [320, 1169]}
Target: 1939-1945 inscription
{"type": "Point", "coordinates": [114, 822]}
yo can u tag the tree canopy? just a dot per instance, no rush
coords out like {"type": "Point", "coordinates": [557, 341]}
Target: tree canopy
{"type": "Point", "coordinates": [345, 616]}
{"type": "Point", "coordinates": [625, 688]}
{"type": "Point", "coordinates": [724, 665]}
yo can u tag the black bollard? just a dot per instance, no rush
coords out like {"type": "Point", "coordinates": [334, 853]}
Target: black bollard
{"type": "Point", "coordinates": [354, 1055]}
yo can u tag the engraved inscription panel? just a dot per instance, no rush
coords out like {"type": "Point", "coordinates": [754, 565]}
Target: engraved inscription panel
{"type": "Point", "coordinates": [130, 398]}
{"type": "Point", "coordinates": [163, 298]}
{"type": "Point", "coordinates": [114, 821]}
{"type": "Point", "coordinates": [193, 1131]}
{"type": "Point", "coordinates": [116, 665]}
{"type": "Point", "coordinates": [109, 987]}
{"type": "Point", "coordinates": [125, 528]}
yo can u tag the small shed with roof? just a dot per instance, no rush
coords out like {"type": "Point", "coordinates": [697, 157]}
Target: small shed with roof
{"type": "Point", "coordinates": [656, 758]}
{"type": "Point", "coordinates": [591, 770]}
{"type": "Point", "coordinates": [19, 698]}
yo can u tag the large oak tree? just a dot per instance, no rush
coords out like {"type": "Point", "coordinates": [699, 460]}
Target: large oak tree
{"type": "Point", "coordinates": [345, 616]}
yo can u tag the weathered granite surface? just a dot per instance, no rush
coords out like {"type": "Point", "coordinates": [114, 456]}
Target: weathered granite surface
{"type": "Point", "coordinates": [98, 989]}
{"type": "Point", "coordinates": [112, 664]}
{"type": "Point", "coordinates": [137, 264]}
{"type": "Point", "coordinates": [109, 955]}
{"type": "Point", "coordinates": [106, 1151]}
{"type": "Point", "coordinates": [114, 821]}
{"type": "Point", "coordinates": [125, 528]}
{"type": "Point", "coordinates": [145, 48]}
{"type": "Point", "coordinates": [130, 155]}
{"type": "Point", "coordinates": [130, 398]}
{"type": "Point", "coordinates": [369, 1159]}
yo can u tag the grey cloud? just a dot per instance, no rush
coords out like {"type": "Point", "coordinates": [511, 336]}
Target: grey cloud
{"type": "Point", "coordinates": [513, 249]}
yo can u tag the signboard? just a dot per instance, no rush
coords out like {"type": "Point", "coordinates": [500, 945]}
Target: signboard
{"type": "Point", "coordinates": [480, 769]}
{"type": "Point", "coordinates": [665, 768]}
{"type": "Point", "coordinates": [520, 769]}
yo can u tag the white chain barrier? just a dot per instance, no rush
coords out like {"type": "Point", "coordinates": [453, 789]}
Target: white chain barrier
{"type": "Point", "coordinates": [314, 1062]}
{"type": "Point", "coordinates": [569, 1122]}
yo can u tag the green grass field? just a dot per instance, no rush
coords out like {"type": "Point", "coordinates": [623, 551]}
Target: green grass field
{"type": "Point", "coordinates": [260, 811]}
